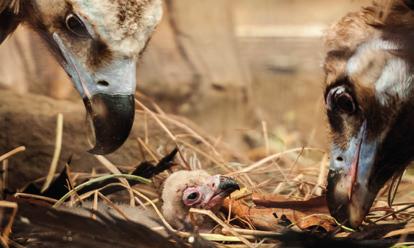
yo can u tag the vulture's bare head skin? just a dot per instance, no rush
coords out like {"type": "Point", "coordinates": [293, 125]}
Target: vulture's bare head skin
{"type": "Point", "coordinates": [118, 29]}
{"type": "Point", "coordinates": [98, 43]}
{"type": "Point", "coordinates": [194, 189]}
{"type": "Point", "coordinates": [370, 102]}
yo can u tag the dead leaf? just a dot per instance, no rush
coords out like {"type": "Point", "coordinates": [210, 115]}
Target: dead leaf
{"type": "Point", "coordinates": [274, 212]}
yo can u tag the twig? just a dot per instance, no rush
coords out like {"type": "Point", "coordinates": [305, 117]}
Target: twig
{"type": "Point", "coordinates": [272, 157]}
{"type": "Point", "coordinates": [404, 231]}
{"type": "Point", "coordinates": [211, 237]}
{"type": "Point", "coordinates": [266, 137]}
{"type": "Point", "coordinates": [38, 197]}
{"type": "Point", "coordinates": [396, 181]}
{"type": "Point", "coordinates": [157, 120]}
{"type": "Point", "coordinates": [221, 223]}
{"type": "Point", "coordinates": [145, 146]}
{"type": "Point", "coordinates": [206, 155]}
{"type": "Point", "coordinates": [97, 180]}
{"type": "Point", "coordinates": [12, 153]}
{"type": "Point", "coordinates": [56, 154]}
{"type": "Point", "coordinates": [256, 232]}
{"type": "Point", "coordinates": [114, 170]}
{"type": "Point", "coordinates": [393, 213]}
{"type": "Point", "coordinates": [157, 211]}
{"type": "Point", "coordinates": [7, 230]}
{"type": "Point", "coordinates": [317, 190]}
{"type": "Point", "coordinates": [113, 206]}
{"type": "Point", "coordinates": [90, 193]}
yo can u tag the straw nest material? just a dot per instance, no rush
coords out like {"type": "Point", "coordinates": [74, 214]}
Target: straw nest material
{"type": "Point", "coordinates": [281, 187]}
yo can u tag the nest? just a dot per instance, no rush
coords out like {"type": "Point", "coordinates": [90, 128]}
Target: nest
{"type": "Point", "coordinates": [281, 189]}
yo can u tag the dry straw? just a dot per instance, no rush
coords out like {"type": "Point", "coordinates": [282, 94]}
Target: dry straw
{"type": "Point", "coordinates": [298, 173]}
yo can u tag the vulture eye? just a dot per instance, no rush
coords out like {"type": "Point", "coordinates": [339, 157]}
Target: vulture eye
{"type": "Point", "coordinates": [193, 196]}
{"type": "Point", "coordinates": [75, 25]}
{"type": "Point", "coordinates": [338, 99]}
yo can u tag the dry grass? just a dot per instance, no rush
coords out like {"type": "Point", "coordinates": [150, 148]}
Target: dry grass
{"type": "Point", "coordinates": [298, 174]}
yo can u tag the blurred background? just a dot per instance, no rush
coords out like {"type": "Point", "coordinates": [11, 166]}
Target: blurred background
{"type": "Point", "coordinates": [234, 67]}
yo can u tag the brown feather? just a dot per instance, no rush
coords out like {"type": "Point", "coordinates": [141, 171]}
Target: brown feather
{"type": "Point", "coordinates": [39, 226]}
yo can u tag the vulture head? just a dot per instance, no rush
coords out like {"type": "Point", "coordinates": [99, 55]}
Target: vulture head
{"type": "Point", "coordinates": [194, 189]}
{"type": "Point", "coordinates": [369, 104]}
{"type": "Point", "coordinates": [97, 43]}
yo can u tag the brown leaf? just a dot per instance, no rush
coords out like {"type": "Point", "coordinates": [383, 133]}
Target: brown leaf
{"type": "Point", "coordinates": [261, 218]}
{"type": "Point", "coordinates": [316, 204]}
{"type": "Point", "coordinates": [280, 212]}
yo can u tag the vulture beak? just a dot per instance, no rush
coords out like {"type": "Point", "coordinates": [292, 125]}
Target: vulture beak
{"type": "Point", "coordinates": [108, 95]}
{"type": "Point", "coordinates": [350, 189]}
{"type": "Point", "coordinates": [227, 185]}
{"type": "Point", "coordinates": [218, 188]}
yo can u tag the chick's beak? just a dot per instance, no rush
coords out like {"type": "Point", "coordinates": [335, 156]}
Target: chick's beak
{"type": "Point", "coordinates": [218, 188]}
{"type": "Point", "coordinates": [350, 190]}
{"type": "Point", "coordinates": [108, 95]}
{"type": "Point", "coordinates": [227, 185]}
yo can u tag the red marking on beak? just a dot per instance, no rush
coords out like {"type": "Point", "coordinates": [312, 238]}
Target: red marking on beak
{"type": "Point", "coordinates": [353, 173]}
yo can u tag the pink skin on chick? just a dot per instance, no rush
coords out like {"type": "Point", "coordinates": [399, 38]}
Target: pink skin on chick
{"type": "Point", "coordinates": [194, 189]}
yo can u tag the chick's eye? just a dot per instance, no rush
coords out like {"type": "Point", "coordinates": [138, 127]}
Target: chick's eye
{"type": "Point", "coordinates": [75, 25]}
{"type": "Point", "coordinates": [193, 196]}
{"type": "Point", "coordinates": [339, 99]}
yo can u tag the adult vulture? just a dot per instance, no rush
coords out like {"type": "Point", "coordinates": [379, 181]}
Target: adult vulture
{"type": "Point", "coordinates": [97, 42]}
{"type": "Point", "coordinates": [370, 104]}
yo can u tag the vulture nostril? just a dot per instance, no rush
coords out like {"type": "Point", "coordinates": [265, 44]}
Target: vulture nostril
{"type": "Point", "coordinates": [339, 159]}
{"type": "Point", "coordinates": [103, 83]}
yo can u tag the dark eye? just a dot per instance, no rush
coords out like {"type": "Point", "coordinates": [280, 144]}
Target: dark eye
{"type": "Point", "coordinates": [339, 99]}
{"type": "Point", "coordinates": [75, 25]}
{"type": "Point", "coordinates": [193, 196]}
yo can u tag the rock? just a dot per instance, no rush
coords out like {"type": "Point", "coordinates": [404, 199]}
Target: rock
{"type": "Point", "coordinates": [30, 121]}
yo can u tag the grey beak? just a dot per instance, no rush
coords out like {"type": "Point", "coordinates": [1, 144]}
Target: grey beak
{"type": "Point", "coordinates": [112, 128]}
{"type": "Point", "coordinates": [350, 191]}
{"type": "Point", "coordinates": [108, 95]}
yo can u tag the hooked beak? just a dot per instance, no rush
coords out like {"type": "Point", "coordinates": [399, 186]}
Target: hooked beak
{"type": "Point", "coordinates": [227, 185]}
{"type": "Point", "coordinates": [219, 187]}
{"type": "Point", "coordinates": [351, 192]}
{"type": "Point", "coordinates": [108, 95]}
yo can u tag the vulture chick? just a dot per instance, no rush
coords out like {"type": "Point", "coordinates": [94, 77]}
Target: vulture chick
{"type": "Point", "coordinates": [370, 104]}
{"type": "Point", "coordinates": [181, 191]}
{"type": "Point", "coordinates": [194, 189]}
{"type": "Point", "coordinates": [97, 42]}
